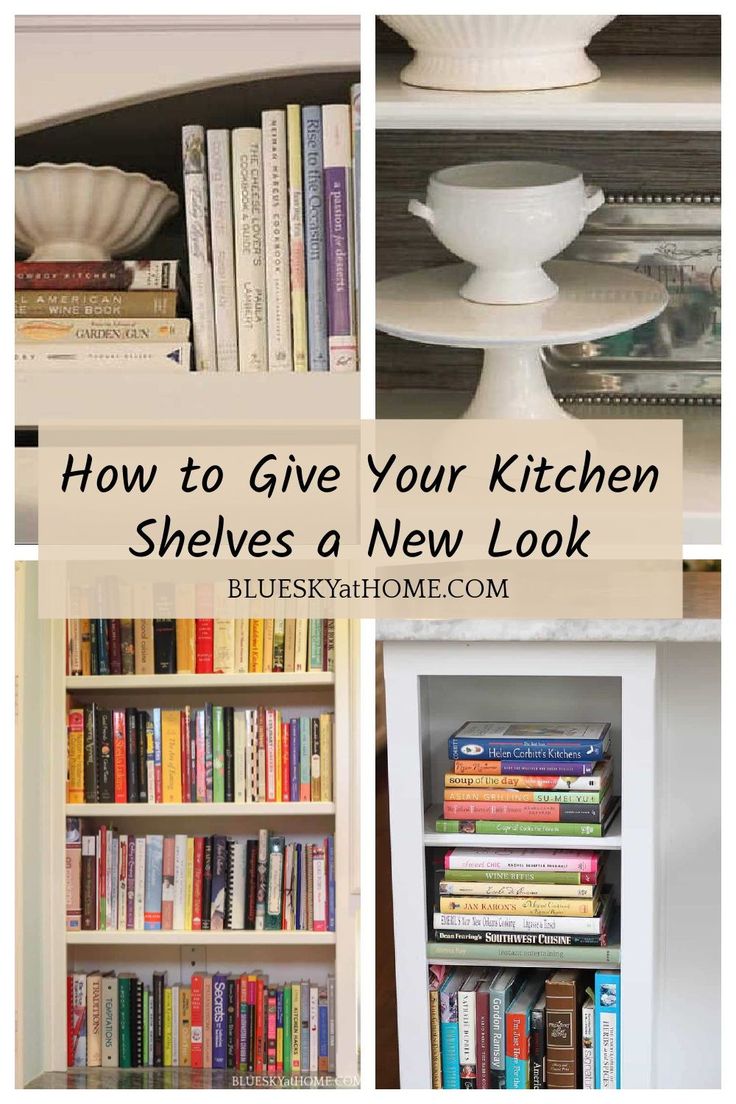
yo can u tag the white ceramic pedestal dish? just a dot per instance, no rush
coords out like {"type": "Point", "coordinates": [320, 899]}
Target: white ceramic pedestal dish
{"type": "Point", "coordinates": [498, 53]}
{"type": "Point", "coordinates": [506, 218]}
{"type": "Point", "coordinates": [594, 301]}
{"type": "Point", "coordinates": [81, 212]}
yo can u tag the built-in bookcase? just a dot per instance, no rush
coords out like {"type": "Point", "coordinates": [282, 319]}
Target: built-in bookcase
{"type": "Point", "coordinates": [431, 689]}
{"type": "Point", "coordinates": [281, 955]}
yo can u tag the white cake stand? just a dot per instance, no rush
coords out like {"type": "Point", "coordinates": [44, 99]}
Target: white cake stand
{"type": "Point", "coordinates": [593, 301]}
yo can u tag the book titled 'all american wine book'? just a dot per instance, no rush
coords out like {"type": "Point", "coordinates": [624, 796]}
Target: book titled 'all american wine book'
{"type": "Point", "coordinates": [529, 779]}
{"type": "Point", "coordinates": [512, 1028]}
{"type": "Point", "coordinates": [234, 1021]}
{"type": "Point", "coordinates": [272, 231]}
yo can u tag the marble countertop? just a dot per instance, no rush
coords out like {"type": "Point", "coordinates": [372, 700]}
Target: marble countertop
{"type": "Point", "coordinates": [689, 630]}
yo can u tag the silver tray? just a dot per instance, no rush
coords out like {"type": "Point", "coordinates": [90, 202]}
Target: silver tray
{"type": "Point", "coordinates": [676, 359]}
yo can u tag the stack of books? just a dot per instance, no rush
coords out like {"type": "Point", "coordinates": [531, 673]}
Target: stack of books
{"type": "Point", "coordinates": [214, 1021]}
{"type": "Point", "coordinates": [120, 882]}
{"type": "Point", "coordinates": [100, 315]}
{"type": "Point", "coordinates": [209, 753]}
{"type": "Point", "coordinates": [529, 779]}
{"type": "Point", "coordinates": [202, 646]}
{"type": "Point", "coordinates": [519, 903]}
{"type": "Point", "coordinates": [524, 1029]}
{"type": "Point", "coordinates": [272, 231]}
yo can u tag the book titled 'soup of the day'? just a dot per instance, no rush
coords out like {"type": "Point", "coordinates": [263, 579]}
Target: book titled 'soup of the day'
{"type": "Point", "coordinates": [531, 740]}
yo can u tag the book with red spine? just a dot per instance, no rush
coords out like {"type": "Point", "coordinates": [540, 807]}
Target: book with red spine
{"type": "Point", "coordinates": [204, 634]}
{"type": "Point", "coordinates": [285, 737]}
{"type": "Point", "coordinates": [260, 1026]}
{"type": "Point", "coordinates": [119, 752]}
{"type": "Point", "coordinates": [243, 1024]}
{"type": "Point", "coordinates": [197, 1021]}
{"type": "Point", "coordinates": [113, 275]}
{"type": "Point", "coordinates": [271, 1032]}
{"type": "Point", "coordinates": [483, 1034]}
{"type": "Point", "coordinates": [197, 883]}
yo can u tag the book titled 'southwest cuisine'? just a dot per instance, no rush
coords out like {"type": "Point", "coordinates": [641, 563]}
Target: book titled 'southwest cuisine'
{"type": "Point", "coordinates": [553, 741]}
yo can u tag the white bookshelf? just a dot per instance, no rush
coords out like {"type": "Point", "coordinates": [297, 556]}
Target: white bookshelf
{"type": "Point", "coordinates": [658, 685]}
{"type": "Point", "coordinates": [282, 955]}
{"type": "Point", "coordinates": [634, 93]}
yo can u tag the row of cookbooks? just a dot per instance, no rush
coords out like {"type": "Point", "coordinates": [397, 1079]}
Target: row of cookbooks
{"type": "Point", "coordinates": [534, 779]}
{"type": "Point", "coordinates": [272, 218]}
{"type": "Point", "coordinates": [209, 753]}
{"type": "Point", "coordinates": [511, 1028]}
{"type": "Point", "coordinates": [215, 1021]}
{"type": "Point", "coordinates": [121, 882]}
{"type": "Point", "coordinates": [178, 646]}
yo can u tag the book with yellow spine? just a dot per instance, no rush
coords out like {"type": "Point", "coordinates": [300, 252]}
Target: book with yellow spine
{"type": "Point", "coordinates": [171, 756]}
{"type": "Point", "coordinates": [185, 1026]}
{"type": "Point", "coordinates": [296, 1027]}
{"type": "Point", "coordinates": [75, 757]}
{"type": "Point", "coordinates": [520, 906]}
{"type": "Point", "coordinates": [296, 237]}
{"type": "Point", "coordinates": [255, 645]}
{"type": "Point", "coordinates": [168, 1027]}
{"type": "Point", "coordinates": [185, 646]}
{"type": "Point", "coordinates": [325, 756]}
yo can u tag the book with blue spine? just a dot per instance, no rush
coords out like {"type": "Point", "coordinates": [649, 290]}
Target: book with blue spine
{"type": "Point", "coordinates": [103, 656]}
{"type": "Point", "coordinates": [153, 883]}
{"type": "Point", "coordinates": [156, 718]}
{"type": "Point", "coordinates": [305, 759]}
{"type": "Point", "coordinates": [323, 1030]}
{"type": "Point", "coordinates": [554, 742]}
{"type": "Point", "coordinates": [607, 1030]}
{"type": "Point", "coordinates": [449, 1028]}
{"type": "Point", "coordinates": [219, 1021]}
{"type": "Point", "coordinates": [314, 239]}
{"type": "Point", "coordinates": [330, 846]}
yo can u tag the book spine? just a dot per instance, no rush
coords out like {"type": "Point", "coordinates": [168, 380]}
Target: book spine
{"type": "Point", "coordinates": [250, 279]}
{"type": "Point", "coordinates": [560, 751]}
{"type": "Point", "coordinates": [342, 339]}
{"type": "Point", "coordinates": [473, 947]}
{"type": "Point", "coordinates": [497, 766]}
{"type": "Point", "coordinates": [518, 906]}
{"type": "Point", "coordinates": [587, 1034]}
{"type": "Point", "coordinates": [466, 1039]}
{"type": "Point", "coordinates": [101, 331]}
{"type": "Point", "coordinates": [503, 861]}
{"type": "Point", "coordinates": [544, 787]}
{"type": "Point", "coordinates": [276, 223]}
{"type": "Point", "coordinates": [143, 646]}
{"type": "Point", "coordinates": [514, 889]}
{"type": "Point", "coordinates": [516, 828]}
{"type": "Point", "coordinates": [563, 1058]}
{"type": "Point", "coordinates": [109, 1022]}
{"type": "Point", "coordinates": [537, 1048]}
{"type": "Point", "coordinates": [544, 878]}
{"type": "Point", "coordinates": [198, 247]}
{"type": "Point", "coordinates": [434, 1036]}
{"type": "Point", "coordinates": [314, 235]}
{"type": "Point", "coordinates": [607, 1030]}
{"type": "Point", "coordinates": [521, 797]}
{"type": "Point", "coordinates": [75, 756]}
{"type": "Point", "coordinates": [565, 925]}
{"type": "Point", "coordinates": [296, 237]}
{"type": "Point", "coordinates": [518, 810]}
{"type": "Point", "coordinates": [95, 304]}
{"type": "Point", "coordinates": [153, 883]}
{"type": "Point", "coordinates": [113, 275]}
{"type": "Point", "coordinates": [197, 1021]}
{"type": "Point", "coordinates": [449, 1041]}
{"type": "Point", "coordinates": [139, 357]}
{"type": "Point", "coordinates": [355, 179]}
{"type": "Point", "coordinates": [223, 264]}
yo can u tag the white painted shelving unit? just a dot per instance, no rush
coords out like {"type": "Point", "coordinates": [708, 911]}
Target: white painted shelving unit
{"type": "Point", "coordinates": [46, 951]}
{"type": "Point", "coordinates": [634, 93]}
{"type": "Point", "coordinates": [437, 676]}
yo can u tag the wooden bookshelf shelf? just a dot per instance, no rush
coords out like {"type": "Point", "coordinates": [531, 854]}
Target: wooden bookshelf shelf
{"type": "Point", "coordinates": [200, 682]}
{"type": "Point", "coordinates": [201, 938]}
{"type": "Point", "coordinates": [261, 809]}
{"type": "Point", "coordinates": [610, 842]}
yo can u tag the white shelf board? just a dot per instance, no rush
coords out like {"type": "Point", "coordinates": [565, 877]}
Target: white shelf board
{"type": "Point", "coordinates": [184, 398]}
{"type": "Point", "coordinates": [634, 93]}
{"type": "Point", "coordinates": [187, 811]}
{"type": "Point", "coordinates": [200, 682]}
{"type": "Point", "coordinates": [201, 938]}
{"type": "Point", "coordinates": [610, 842]}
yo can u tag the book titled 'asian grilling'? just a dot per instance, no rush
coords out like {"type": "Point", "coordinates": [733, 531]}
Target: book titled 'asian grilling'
{"type": "Point", "coordinates": [272, 234]}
